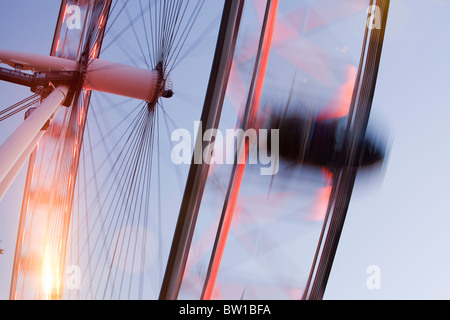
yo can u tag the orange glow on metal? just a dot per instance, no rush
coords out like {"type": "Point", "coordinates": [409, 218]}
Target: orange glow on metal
{"type": "Point", "coordinates": [209, 289]}
{"type": "Point", "coordinates": [65, 11]}
{"type": "Point", "coordinates": [339, 106]}
{"type": "Point", "coordinates": [224, 234]}
{"type": "Point", "coordinates": [80, 120]}
{"type": "Point", "coordinates": [75, 149]}
{"type": "Point", "coordinates": [48, 280]}
{"type": "Point", "coordinates": [100, 24]}
{"type": "Point", "coordinates": [323, 197]}
{"type": "Point", "coordinates": [319, 211]}
{"type": "Point", "coordinates": [94, 52]}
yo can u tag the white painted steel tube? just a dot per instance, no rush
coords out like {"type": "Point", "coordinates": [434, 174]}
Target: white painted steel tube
{"type": "Point", "coordinates": [123, 80]}
{"type": "Point", "coordinates": [37, 62]}
{"type": "Point", "coordinates": [101, 75]}
{"type": "Point", "coordinates": [14, 171]}
{"type": "Point", "coordinates": [18, 142]}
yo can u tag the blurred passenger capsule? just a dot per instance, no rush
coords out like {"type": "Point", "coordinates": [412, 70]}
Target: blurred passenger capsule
{"type": "Point", "coordinates": [306, 139]}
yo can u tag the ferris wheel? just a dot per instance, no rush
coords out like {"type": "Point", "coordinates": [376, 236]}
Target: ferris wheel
{"type": "Point", "coordinates": [107, 214]}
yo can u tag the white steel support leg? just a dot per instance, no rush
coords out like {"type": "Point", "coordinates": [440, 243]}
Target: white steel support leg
{"type": "Point", "coordinates": [14, 171]}
{"type": "Point", "coordinates": [21, 139]}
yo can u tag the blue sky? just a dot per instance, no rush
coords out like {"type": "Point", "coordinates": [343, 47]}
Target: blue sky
{"type": "Point", "coordinates": [397, 221]}
{"type": "Point", "coordinates": [401, 223]}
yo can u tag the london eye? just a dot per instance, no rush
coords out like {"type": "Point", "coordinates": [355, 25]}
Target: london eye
{"type": "Point", "coordinates": [106, 212]}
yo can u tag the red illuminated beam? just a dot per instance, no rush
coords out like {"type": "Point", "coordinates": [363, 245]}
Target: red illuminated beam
{"type": "Point", "coordinates": [198, 173]}
{"type": "Point", "coordinates": [234, 187]}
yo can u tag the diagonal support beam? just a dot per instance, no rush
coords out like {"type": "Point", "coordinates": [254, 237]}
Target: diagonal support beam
{"type": "Point", "coordinates": [14, 171]}
{"type": "Point", "coordinates": [20, 140]}
{"type": "Point", "coordinates": [249, 121]}
{"type": "Point", "coordinates": [198, 173]}
{"type": "Point", "coordinates": [344, 180]}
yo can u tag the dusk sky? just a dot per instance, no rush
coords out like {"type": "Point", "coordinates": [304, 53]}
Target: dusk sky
{"type": "Point", "coordinates": [398, 218]}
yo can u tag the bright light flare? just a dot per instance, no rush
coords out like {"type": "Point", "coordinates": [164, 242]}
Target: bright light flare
{"type": "Point", "coordinates": [50, 277]}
